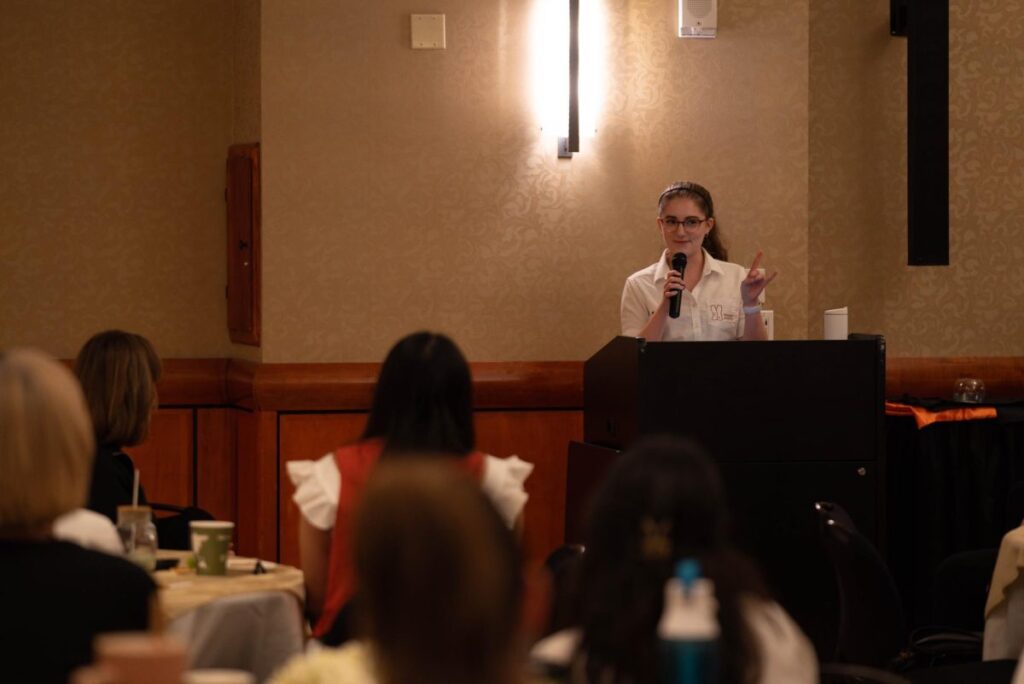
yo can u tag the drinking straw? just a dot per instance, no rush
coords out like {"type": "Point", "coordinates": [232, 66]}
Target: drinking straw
{"type": "Point", "coordinates": [135, 489]}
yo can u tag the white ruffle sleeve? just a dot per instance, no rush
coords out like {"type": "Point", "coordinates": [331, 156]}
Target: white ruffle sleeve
{"type": "Point", "coordinates": [503, 484]}
{"type": "Point", "coordinates": [317, 489]}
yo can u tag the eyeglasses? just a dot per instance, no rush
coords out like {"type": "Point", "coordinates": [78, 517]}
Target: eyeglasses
{"type": "Point", "coordinates": [672, 223]}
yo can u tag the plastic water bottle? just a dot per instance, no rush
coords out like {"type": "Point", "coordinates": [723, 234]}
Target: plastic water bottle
{"type": "Point", "coordinates": [688, 630]}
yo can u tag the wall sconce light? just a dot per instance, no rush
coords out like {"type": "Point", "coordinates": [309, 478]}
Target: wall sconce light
{"type": "Point", "coordinates": [568, 69]}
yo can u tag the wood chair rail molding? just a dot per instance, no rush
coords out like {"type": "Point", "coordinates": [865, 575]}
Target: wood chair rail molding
{"type": "Point", "coordinates": [227, 426]}
{"type": "Point", "coordinates": [193, 382]}
{"type": "Point", "coordinates": [935, 376]}
{"type": "Point", "coordinates": [501, 385]}
{"type": "Point", "coordinates": [349, 386]}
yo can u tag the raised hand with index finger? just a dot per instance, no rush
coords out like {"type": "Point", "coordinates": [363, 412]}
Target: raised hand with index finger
{"type": "Point", "coordinates": [755, 282]}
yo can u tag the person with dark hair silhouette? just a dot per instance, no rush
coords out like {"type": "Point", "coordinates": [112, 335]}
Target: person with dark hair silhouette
{"type": "Point", "coordinates": [660, 503]}
{"type": "Point", "coordinates": [422, 404]}
{"type": "Point", "coordinates": [440, 585]}
{"type": "Point", "coordinates": [118, 371]}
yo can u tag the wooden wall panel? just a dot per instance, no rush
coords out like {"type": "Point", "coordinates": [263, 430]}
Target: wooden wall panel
{"type": "Point", "coordinates": [308, 437]}
{"type": "Point", "coordinates": [257, 523]}
{"type": "Point", "coordinates": [935, 377]}
{"type": "Point", "coordinates": [216, 462]}
{"type": "Point", "coordinates": [542, 438]}
{"type": "Point", "coordinates": [190, 382]}
{"type": "Point", "coordinates": [164, 460]}
{"type": "Point", "coordinates": [243, 246]}
{"type": "Point", "coordinates": [532, 409]}
{"type": "Point", "coordinates": [321, 387]}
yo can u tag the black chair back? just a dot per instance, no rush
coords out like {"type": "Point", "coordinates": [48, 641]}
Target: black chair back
{"type": "Point", "coordinates": [1014, 506]}
{"type": "Point", "coordinates": [563, 567]}
{"type": "Point", "coordinates": [871, 624]}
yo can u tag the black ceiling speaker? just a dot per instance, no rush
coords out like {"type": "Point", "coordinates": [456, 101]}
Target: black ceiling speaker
{"type": "Point", "coordinates": [927, 30]}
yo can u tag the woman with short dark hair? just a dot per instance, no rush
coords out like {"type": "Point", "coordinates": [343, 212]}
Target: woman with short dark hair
{"type": "Point", "coordinates": [118, 372]}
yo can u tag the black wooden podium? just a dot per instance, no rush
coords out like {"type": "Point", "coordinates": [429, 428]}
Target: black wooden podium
{"type": "Point", "coordinates": [789, 422]}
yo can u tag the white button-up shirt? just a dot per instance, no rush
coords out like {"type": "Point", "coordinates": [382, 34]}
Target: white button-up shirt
{"type": "Point", "coordinates": [713, 311]}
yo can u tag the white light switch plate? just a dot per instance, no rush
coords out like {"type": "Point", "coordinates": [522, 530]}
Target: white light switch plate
{"type": "Point", "coordinates": [427, 31]}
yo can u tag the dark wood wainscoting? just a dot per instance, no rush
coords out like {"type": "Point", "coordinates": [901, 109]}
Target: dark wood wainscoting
{"type": "Point", "coordinates": [226, 428]}
{"type": "Point", "coordinates": [935, 377]}
{"type": "Point", "coordinates": [165, 459]}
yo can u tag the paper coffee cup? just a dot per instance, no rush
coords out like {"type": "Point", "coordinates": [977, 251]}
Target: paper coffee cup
{"type": "Point", "coordinates": [211, 540]}
{"type": "Point", "coordinates": [836, 324]}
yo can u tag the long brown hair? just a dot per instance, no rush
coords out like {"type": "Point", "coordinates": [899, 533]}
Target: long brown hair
{"type": "Point", "coordinates": [663, 501]}
{"type": "Point", "coordinates": [118, 371]}
{"type": "Point", "coordinates": [700, 195]}
{"type": "Point", "coordinates": [439, 576]}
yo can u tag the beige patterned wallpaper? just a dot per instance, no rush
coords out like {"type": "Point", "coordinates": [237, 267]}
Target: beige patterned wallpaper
{"type": "Point", "coordinates": [114, 118]}
{"type": "Point", "coordinates": [857, 231]}
{"type": "Point", "coordinates": [412, 189]}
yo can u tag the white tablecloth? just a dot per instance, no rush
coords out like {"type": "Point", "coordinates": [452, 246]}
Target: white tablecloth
{"type": "Point", "coordinates": [243, 621]}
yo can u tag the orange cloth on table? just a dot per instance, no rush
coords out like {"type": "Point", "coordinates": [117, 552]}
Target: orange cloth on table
{"type": "Point", "coordinates": [355, 464]}
{"type": "Point", "coordinates": [924, 417]}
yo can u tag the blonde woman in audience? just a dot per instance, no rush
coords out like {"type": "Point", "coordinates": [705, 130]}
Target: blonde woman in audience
{"type": "Point", "coordinates": [56, 595]}
{"type": "Point", "coordinates": [660, 503]}
{"type": "Point", "coordinates": [440, 586]}
{"type": "Point", "coordinates": [423, 403]}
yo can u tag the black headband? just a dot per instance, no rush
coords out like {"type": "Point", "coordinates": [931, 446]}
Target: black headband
{"type": "Point", "coordinates": [689, 186]}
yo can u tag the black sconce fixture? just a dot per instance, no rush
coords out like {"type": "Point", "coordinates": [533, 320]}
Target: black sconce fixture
{"type": "Point", "coordinates": [566, 146]}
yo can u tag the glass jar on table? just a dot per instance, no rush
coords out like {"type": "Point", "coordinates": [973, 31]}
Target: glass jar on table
{"type": "Point", "coordinates": [138, 534]}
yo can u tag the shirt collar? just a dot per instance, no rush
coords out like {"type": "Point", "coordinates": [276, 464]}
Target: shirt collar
{"type": "Point", "coordinates": [711, 265]}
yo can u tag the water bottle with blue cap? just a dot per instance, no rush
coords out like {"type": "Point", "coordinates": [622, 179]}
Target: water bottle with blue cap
{"type": "Point", "coordinates": [688, 629]}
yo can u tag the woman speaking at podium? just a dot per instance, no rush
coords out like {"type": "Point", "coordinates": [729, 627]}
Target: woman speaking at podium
{"type": "Point", "coordinates": [717, 300]}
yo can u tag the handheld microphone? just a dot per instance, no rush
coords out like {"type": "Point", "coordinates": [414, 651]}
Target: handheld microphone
{"type": "Point", "coordinates": [678, 264]}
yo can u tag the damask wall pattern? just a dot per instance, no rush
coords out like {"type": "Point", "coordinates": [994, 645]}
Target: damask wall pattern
{"type": "Point", "coordinates": [412, 189]}
{"type": "Point", "coordinates": [114, 119]}
{"type": "Point", "coordinates": [858, 204]}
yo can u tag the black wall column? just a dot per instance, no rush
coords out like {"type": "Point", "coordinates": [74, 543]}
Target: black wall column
{"type": "Point", "coordinates": [928, 132]}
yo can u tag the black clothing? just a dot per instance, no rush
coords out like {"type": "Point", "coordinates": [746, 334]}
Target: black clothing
{"type": "Point", "coordinates": [113, 474]}
{"type": "Point", "coordinates": [55, 597]}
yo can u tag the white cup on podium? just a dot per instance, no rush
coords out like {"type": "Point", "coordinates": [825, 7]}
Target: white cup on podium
{"type": "Point", "coordinates": [837, 323]}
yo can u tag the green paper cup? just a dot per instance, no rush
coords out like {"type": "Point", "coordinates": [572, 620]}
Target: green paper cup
{"type": "Point", "coordinates": [211, 540]}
